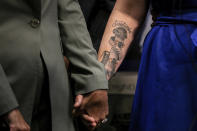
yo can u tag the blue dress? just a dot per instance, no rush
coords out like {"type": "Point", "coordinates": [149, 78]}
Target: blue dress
{"type": "Point", "coordinates": [166, 94]}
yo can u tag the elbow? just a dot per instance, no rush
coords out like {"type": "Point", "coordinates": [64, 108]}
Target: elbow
{"type": "Point", "coordinates": [134, 9]}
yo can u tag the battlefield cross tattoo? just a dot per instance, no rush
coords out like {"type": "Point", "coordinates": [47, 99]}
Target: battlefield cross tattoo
{"type": "Point", "coordinates": [111, 58]}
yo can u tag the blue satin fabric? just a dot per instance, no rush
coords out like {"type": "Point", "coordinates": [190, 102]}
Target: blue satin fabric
{"type": "Point", "coordinates": [166, 94]}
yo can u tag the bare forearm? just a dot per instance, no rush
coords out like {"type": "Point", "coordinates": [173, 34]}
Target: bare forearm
{"type": "Point", "coordinates": [118, 35]}
{"type": "Point", "coordinates": [116, 40]}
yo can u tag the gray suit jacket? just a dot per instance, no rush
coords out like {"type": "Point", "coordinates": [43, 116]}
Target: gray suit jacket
{"type": "Point", "coordinates": [49, 27]}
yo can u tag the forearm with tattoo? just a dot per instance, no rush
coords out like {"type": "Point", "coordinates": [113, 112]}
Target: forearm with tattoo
{"type": "Point", "coordinates": [123, 22]}
{"type": "Point", "coordinates": [110, 58]}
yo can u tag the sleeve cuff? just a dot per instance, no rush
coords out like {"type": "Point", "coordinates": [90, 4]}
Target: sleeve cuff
{"type": "Point", "coordinates": [87, 84]}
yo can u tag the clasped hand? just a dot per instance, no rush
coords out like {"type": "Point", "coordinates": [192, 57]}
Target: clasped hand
{"type": "Point", "coordinates": [92, 108]}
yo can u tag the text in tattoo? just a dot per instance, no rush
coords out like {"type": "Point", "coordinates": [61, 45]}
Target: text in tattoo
{"type": "Point", "coordinates": [122, 24]}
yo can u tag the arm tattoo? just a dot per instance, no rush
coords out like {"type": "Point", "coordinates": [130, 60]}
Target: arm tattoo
{"type": "Point", "coordinates": [112, 67]}
{"type": "Point", "coordinates": [111, 58]}
{"type": "Point", "coordinates": [105, 57]}
{"type": "Point", "coordinates": [122, 24]}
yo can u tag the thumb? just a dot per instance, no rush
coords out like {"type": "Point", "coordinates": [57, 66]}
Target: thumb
{"type": "Point", "coordinates": [78, 101]}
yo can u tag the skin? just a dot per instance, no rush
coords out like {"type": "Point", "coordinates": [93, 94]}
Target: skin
{"type": "Point", "coordinates": [16, 121]}
{"type": "Point", "coordinates": [119, 33]}
{"type": "Point", "coordinates": [91, 107]}
{"type": "Point", "coordinates": [124, 20]}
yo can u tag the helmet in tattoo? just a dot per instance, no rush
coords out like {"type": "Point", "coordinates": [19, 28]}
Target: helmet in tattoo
{"type": "Point", "coordinates": [120, 32]}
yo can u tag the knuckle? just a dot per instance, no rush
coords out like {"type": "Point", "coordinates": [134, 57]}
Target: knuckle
{"type": "Point", "coordinates": [102, 117]}
{"type": "Point", "coordinates": [13, 127]}
{"type": "Point", "coordinates": [23, 128]}
{"type": "Point", "coordinates": [97, 120]}
{"type": "Point", "coordinates": [107, 113]}
{"type": "Point", "coordinates": [28, 128]}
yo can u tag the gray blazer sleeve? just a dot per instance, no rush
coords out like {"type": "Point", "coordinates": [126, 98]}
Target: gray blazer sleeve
{"type": "Point", "coordinates": [8, 101]}
{"type": "Point", "coordinates": [87, 73]}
